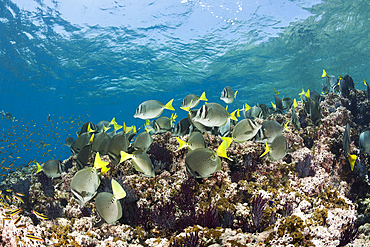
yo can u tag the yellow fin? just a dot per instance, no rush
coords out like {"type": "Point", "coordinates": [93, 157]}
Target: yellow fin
{"type": "Point", "coordinates": [173, 117]}
{"type": "Point", "coordinates": [340, 77]}
{"type": "Point", "coordinates": [276, 92]}
{"type": "Point", "coordinates": [98, 163]}
{"type": "Point", "coordinates": [221, 150]}
{"type": "Point", "coordinates": [169, 105]}
{"type": "Point", "coordinates": [286, 126]}
{"type": "Point", "coordinates": [365, 82]}
{"type": "Point", "coordinates": [236, 92]}
{"type": "Point", "coordinates": [247, 107]}
{"type": "Point", "coordinates": [295, 103]}
{"type": "Point", "coordinates": [127, 129]}
{"type": "Point", "coordinates": [125, 156]}
{"type": "Point", "coordinates": [203, 97]}
{"type": "Point", "coordinates": [324, 74]}
{"type": "Point", "coordinates": [266, 151]}
{"type": "Point", "coordinates": [118, 191]}
{"type": "Point", "coordinates": [39, 168]}
{"type": "Point", "coordinates": [273, 105]}
{"type": "Point", "coordinates": [182, 143]}
{"type": "Point", "coordinates": [227, 107]}
{"type": "Point", "coordinates": [91, 138]}
{"type": "Point", "coordinates": [307, 94]}
{"type": "Point", "coordinates": [232, 116]}
{"type": "Point", "coordinates": [113, 121]}
{"type": "Point", "coordinates": [105, 129]}
{"type": "Point", "coordinates": [352, 160]}
{"type": "Point", "coordinates": [238, 113]}
{"type": "Point", "coordinates": [146, 129]}
{"type": "Point", "coordinates": [228, 140]}
{"type": "Point", "coordinates": [302, 93]}
{"type": "Point", "coordinates": [104, 170]}
{"type": "Point", "coordinates": [89, 129]}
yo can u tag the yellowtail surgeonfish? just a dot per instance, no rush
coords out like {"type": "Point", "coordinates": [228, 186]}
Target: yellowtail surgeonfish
{"type": "Point", "coordinates": [331, 81]}
{"type": "Point", "coordinates": [269, 130]}
{"type": "Point", "coordinates": [213, 115]}
{"type": "Point", "coordinates": [203, 162]}
{"type": "Point", "coordinates": [278, 148]}
{"type": "Point", "coordinates": [364, 141]}
{"type": "Point", "coordinates": [196, 140]}
{"type": "Point", "coordinates": [152, 109]}
{"type": "Point", "coordinates": [346, 146]}
{"type": "Point", "coordinates": [243, 131]}
{"type": "Point", "coordinates": [108, 205]}
{"type": "Point", "coordinates": [228, 95]}
{"type": "Point", "coordinates": [141, 160]}
{"type": "Point", "coordinates": [51, 168]}
{"type": "Point", "coordinates": [86, 181]}
{"type": "Point", "coordinates": [192, 100]}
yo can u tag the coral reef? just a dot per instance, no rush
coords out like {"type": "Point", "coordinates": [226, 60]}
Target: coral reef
{"type": "Point", "coordinates": [308, 198]}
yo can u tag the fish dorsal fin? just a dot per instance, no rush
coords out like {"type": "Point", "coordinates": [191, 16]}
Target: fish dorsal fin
{"type": "Point", "coordinates": [125, 156]}
{"type": "Point", "coordinates": [203, 97]}
{"type": "Point", "coordinates": [266, 151]}
{"type": "Point", "coordinates": [221, 150]}
{"type": "Point", "coordinates": [324, 74]}
{"type": "Point", "coordinates": [169, 105]}
{"type": "Point", "coordinates": [182, 144]}
{"type": "Point", "coordinates": [118, 191]}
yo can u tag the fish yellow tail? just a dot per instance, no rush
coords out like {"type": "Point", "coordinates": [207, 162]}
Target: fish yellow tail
{"type": "Point", "coordinates": [182, 144]}
{"type": "Point", "coordinates": [307, 94]}
{"type": "Point", "coordinates": [125, 156]}
{"type": "Point", "coordinates": [187, 108]}
{"type": "Point", "coordinates": [203, 97]}
{"type": "Point", "coordinates": [276, 92]}
{"type": "Point", "coordinates": [232, 116]}
{"type": "Point", "coordinates": [295, 103]}
{"type": "Point", "coordinates": [39, 168]}
{"type": "Point", "coordinates": [324, 74]}
{"type": "Point", "coordinates": [365, 83]}
{"type": "Point", "coordinates": [235, 94]}
{"type": "Point", "coordinates": [266, 151]}
{"type": "Point", "coordinates": [89, 129]}
{"type": "Point", "coordinates": [286, 126]}
{"type": "Point", "coordinates": [273, 105]}
{"type": "Point", "coordinates": [228, 141]}
{"type": "Point", "coordinates": [352, 160]}
{"type": "Point", "coordinates": [169, 106]}
{"type": "Point", "coordinates": [98, 163]}
{"type": "Point", "coordinates": [221, 150]}
{"type": "Point", "coordinates": [91, 138]}
{"type": "Point", "coordinates": [238, 113]}
{"type": "Point", "coordinates": [247, 107]}
{"type": "Point", "coordinates": [118, 191]}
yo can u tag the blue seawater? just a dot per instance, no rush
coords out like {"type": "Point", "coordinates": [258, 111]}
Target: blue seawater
{"type": "Point", "coordinates": [94, 60]}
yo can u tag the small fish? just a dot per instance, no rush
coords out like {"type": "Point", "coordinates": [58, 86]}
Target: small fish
{"type": "Point", "coordinates": [141, 161]}
{"type": "Point", "coordinates": [331, 81]}
{"type": "Point", "coordinates": [278, 104]}
{"type": "Point", "coordinates": [346, 147]}
{"type": "Point", "coordinates": [17, 220]}
{"type": "Point", "coordinates": [162, 124]}
{"type": "Point", "coordinates": [243, 131]}
{"type": "Point", "coordinates": [287, 103]}
{"type": "Point", "coordinates": [228, 95]}
{"type": "Point", "coordinates": [21, 226]}
{"type": "Point", "coordinates": [252, 112]}
{"type": "Point", "coordinates": [51, 168]}
{"type": "Point", "coordinates": [295, 120]}
{"type": "Point", "coordinates": [32, 237]}
{"type": "Point", "coordinates": [213, 115]}
{"type": "Point", "coordinates": [15, 212]}
{"type": "Point", "coordinates": [18, 198]}
{"type": "Point", "coordinates": [367, 90]}
{"type": "Point", "coordinates": [203, 162]}
{"type": "Point", "coordinates": [269, 130]}
{"type": "Point", "coordinates": [191, 101]}
{"type": "Point", "coordinates": [196, 140]}
{"type": "Point", "coordinates": [39, 215]}
{"type": "Point", "coordinates": [152, 109]}
{"type": "Point", "coordinates": [182, 127]}
{"type": "Point", "coordinates": [278, 148]}
{"type": "Point", "coordinates": [108, 205]}
{"type": "Point", "coordinates": [142, 141]}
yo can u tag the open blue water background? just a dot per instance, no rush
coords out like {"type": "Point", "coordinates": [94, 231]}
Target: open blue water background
{"type": "Point", "coordinates": [94, 60]}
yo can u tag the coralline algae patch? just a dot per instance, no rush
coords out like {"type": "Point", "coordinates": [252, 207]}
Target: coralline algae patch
{"type": "Point", "coordinates": [300, 200]}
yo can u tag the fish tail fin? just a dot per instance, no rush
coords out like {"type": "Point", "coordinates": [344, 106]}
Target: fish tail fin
{"type": "Point", "coordinates": [221, 150]}
{"type": "Point", "coordinates": [227, 107]}
{"type": "Point", "coordinates": [266, 151]}
{"type": "Point", "coordinates": [187, 108]}
{"type": "Point", "coordinates": [324, 74]}
{"type": "Point", "coordinates": [118, 191]}
{"type": "Point", "coordinates": [182, 143]}
{"type": "Point", "coordinates": [39, 168]}
{"type": "Point", "coordinates": [98, 163]}
{"type": "Point", "coordinates": [89, 129]}
{"type": "Point", "coordinates": [236, 92]}
{"type": "Point", "coordinates": [286, 126]}
{"type": "Point", "coordinates": [91, 138]}
{"type": "Point", "coordinates": [104, 170]}
{"type": "Point", "coordinates": [203, 97]}
{"type": "Point", "coordinates": [276, 92]}
{"type": "Point", "coordinates": [173, 117]}
{"type": "Point", "coordinates": [228, 140]}
{"type": "Point", "coordinates": [247, 107]}
{"type": "Point", "coordinates": [273, 105]}
{"type": "Point", "coordinates": [232, 116]}
{"type": "Point", "coordinates": [238, 113]}
{"type": "Point", "coordinates": [295, 103]}
{"type": "Point", "coordinates": [124, 156]}
{"type": "Point", "coordinates": [307, 94]}
{"type": "Point", "coordinates": [352, 160]}
{"type": "Point", "coordinates": [169, 105]}
{"type": "Point", "coordinates": [365, 82]}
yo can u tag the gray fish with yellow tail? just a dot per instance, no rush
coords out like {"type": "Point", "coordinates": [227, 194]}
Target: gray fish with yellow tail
{"type": "Point", "coordinates": [141, 161]}
{"type": "Point", "coordinates": [152, 109]}
{"type": "Point", "coordinates": [278, 148]}
{"type": "Point", "coordinates": [268, 131]}
{"type": "Point", "coordinates": [347, 147]}
{"type": "Point", "coordinates": [243, 131]}
{"type": "Point", "coordinates": [213, 115]}
{"type": "Point", "coordinates": [196, 140]}
{"type": "Point", "coordinates": [192, 100]}
{"type": "Point", "coordinates": [51, 168]}
{"type": "Point", "coordinates": [228, 95]}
